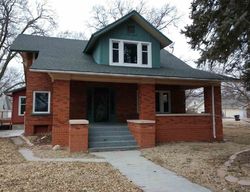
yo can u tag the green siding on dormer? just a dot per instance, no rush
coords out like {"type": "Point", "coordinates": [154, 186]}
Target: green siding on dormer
{"type": "Point", "coordinates": [101, 50]}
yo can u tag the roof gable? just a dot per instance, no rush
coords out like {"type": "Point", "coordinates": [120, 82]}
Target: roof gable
{"type": "Point", "coordinates": [164, 41]}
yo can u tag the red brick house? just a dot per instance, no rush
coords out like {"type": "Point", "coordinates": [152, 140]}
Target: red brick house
{"type": "Point", "coordinates": [88, 93]}
{"type": "Point", "coordinates": [18, 107]}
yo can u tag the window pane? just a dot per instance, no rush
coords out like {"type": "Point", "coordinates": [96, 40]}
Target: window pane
{"type": "Point", "coordinates": [144, 48]}
{"type": "Point", "coordinates": [130, 53]}
{"type": "Point", "coordinates": [165, 102]}
{"type": "Point", "coordinates": [144, 58]}
{"type": "Point", "coordinates": [115, 56]}
{"type": "Point", "coordinates": [41, 102]}
{"type": "Point", "coordinates": [157, 102]}
{"type": "Point", "coordinates": [22, 110]}
{"type": "Point", "coordinates": [23, 101]}
{"type": "Point", "coordinates": [115, 45]}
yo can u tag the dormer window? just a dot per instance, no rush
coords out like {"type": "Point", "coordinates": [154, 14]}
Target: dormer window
{"type": "Point", "coordinates": [130, 53]}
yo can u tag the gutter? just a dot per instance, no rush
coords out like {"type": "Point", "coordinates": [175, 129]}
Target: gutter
{"type": "Point", "coordinates": [121, 75]}
{"type": "Point", "coordinates": [213, 113]}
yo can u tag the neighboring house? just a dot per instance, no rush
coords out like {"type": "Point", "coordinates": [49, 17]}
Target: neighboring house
{"type": "Point", "coordinates": [5, 107]}
{"type": "Point", "coordinates": [18, 107]}
{"type": "Point", "coordinates": [121, 75]}
{"type": "Point", "coordinates": [5, 112]}
{"type": "Point", "coordinates": [232, 107]}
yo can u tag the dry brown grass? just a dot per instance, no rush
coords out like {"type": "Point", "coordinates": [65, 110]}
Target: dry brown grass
{"type": "Point", "coordinates": [199, 161]}
{"type": "Point", "coordinates": [43, 149]}
{"type": "Point", "coordinates": [16, 174]}
{"type": "Point", "coordinates": [237, 132]}
{"type": "Point", "coordinates": [46, 151]}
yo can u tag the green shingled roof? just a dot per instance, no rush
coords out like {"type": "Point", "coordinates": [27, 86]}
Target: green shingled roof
{"type": "Point", "coordinates": [65, 55]}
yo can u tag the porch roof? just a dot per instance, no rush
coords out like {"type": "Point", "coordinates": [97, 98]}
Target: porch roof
{"type": "Point", "coordinates": [59, 55]}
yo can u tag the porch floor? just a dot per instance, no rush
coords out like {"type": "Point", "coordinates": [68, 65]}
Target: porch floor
{"type": "Point", "coordinates": [106, 124]}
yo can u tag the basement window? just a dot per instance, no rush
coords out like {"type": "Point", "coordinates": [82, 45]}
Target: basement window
{"type": "Point", "coordinates": [41, 102]}
{"type": "Point", "coordinates": [130, 53]}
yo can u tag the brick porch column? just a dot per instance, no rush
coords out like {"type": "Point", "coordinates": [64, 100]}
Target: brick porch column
{"type": "Point", "coordinates": [78, 135]}
{"type": "Point", "coordinates": [218, 110]}
{"type": "Point", "coordinates": [143, 129]}
{"type": "Point", "coordinates": [60, 109]}
{"type": "Point", "coordinates": [146, 94]}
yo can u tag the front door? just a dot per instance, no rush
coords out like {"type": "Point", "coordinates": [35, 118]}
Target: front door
{"type": "Point", "coordinates": [101, 104]}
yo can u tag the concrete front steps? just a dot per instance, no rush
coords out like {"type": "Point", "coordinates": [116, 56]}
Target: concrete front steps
{"type": "Point", "coordinates": [110, 138]}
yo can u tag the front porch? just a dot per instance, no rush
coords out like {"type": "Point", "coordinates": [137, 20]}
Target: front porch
{"type": "Point", "coordinates": [153, 112]}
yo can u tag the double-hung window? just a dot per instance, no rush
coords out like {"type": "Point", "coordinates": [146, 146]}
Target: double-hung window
{"type": "Point", "coordinates": [130, 53]}
{"type": "Point", "coordinates": [162, 102]}
{"type": "Point", "coordinates": [21, 105]}
{"type": "Point", "coordinates": [41, 102]}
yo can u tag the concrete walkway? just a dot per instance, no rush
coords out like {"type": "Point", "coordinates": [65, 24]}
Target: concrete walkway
{"type": "Point", "coordinates": [147, 175]}
{"type": "Point", "coordinates": [29, 156]}
{"type": "Point", "coordinates": [10, 133]}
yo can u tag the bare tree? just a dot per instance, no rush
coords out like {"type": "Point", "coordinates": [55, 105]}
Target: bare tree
{"type": "Point", "coordinates": [17, 17]}
{"type": "Point", "coordinates": [232, 90]}
{"type": "Point", "coordinates": [237, 91]}
{"type": "Point", "coordinates": [160, 18]}
{"type": "Point", "coordinates": [12, 78]}
{"type": "Point", "coordinates": [72, 35]}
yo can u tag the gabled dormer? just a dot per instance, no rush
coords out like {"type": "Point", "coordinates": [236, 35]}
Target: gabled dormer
{"type": "Point", "coordinates": [130, 41]}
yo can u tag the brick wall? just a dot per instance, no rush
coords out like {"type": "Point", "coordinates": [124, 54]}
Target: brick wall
{"type": "Point", "coordinates": [78, 100]}
{"type": "Point", "coordinates": [125, 99]}
{"type": "Point", "coordinates": [61, 103]}
{"type": "Point", "coordinates": [192, 127]}
{"type": "Point", "coordinates": [78, 137]}
{"type": "Point", "coordinates": [183, 128]}
{"type": "Point", "coordinates": [15, 118]}
{"type": "Point", "coordinates": [126, 102]}
{"type": "Point", "coordinates": [35, 82]}
{"type": "Point", "coordinates": [146, 94]}
{"type": "Point", "coordinates": [178, 101]}
{"type": "Point", "coordinates": [144, 133]}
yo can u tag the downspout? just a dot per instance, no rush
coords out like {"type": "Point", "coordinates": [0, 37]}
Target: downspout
{"type": "Point", "coordinates": [213, 113]}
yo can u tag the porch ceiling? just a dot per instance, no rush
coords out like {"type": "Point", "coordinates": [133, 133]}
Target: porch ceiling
{"type": "Point", "coordinates": [116, 78]}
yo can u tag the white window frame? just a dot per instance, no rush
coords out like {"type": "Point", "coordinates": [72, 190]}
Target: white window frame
{"type": "Point", "coordinates": [161, 101]}
{"type": "Point", "coordinates": [121, 53]}
{"type": "Point", "coordinates": [34, 99]}
{"type": "Point", "coordinates": [19, 105]}
{"type": "Point", "coordinates": [144, 52]}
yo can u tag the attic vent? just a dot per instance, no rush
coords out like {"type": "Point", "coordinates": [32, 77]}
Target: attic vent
{"type": "Point", "coordinates": [131, 29]}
